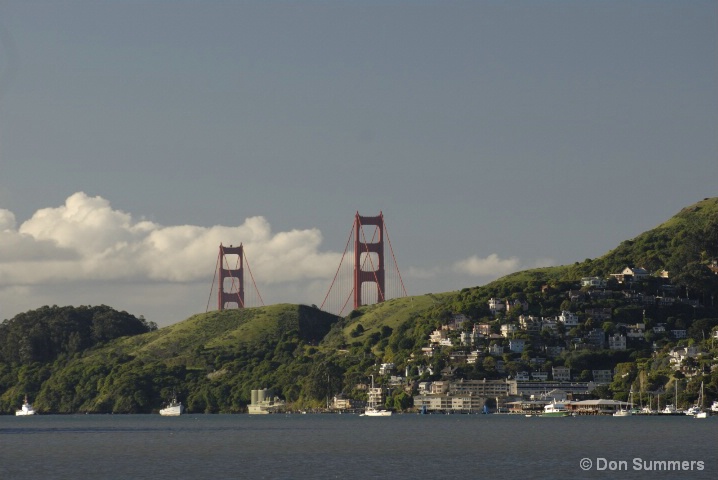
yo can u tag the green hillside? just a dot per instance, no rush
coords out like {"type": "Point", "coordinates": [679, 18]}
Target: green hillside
{"type": "Point", "coordinates": [93, 359]}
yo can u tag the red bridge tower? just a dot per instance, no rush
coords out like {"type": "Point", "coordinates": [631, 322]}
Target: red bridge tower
{"type": "Point", "coordinates": [234, 277]}
{"type": "Point", "coordinates": [368, 254]}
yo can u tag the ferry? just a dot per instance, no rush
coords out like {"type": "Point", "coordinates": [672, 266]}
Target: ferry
{"type": "Point", "coordinates": [555, 410]}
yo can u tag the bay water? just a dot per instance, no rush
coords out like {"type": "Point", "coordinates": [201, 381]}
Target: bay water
{"type": "Point", "coordinates": [332, 446]}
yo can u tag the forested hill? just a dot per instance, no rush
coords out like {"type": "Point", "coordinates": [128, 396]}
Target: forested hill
{"type": "Point", "coordinates": [99, 360]}
{"type": "Point", "coordinates": [44, 334]}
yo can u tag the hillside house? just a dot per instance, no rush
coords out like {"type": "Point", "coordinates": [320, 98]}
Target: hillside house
{"type": "Point", "coordinates": [496, 349]}
{"type": "Point", "coordinates": [516, 305]}
{"type": "Point", "coordinates": [437, 336]}
{"type": "Point", "coordinates": [497, 305]}
{"type": "Point", "coordinates": [561, 374]}
{"type": "Point", "coordinates": [569, 319]}
{"type": "Point", "coordinates": [595, 282]}
{"type": "Point", "coordinates": [636, 331]}
{"type": "Point", "coordinates": [508, 330]}
{"type": "Point", "coordinates": [630, 275]}
{"type": "Point", "coordinates": [678, 334]}
{"type": "Point", "coordinates": [596, 337]}
{"type": "Point", "coordinates": [617, 342]}
{"type": "Point", "coordinates": [483, 329]}
{"type": "Point", "coordinates": [530, 323]}
{"type": "Point", "coordinates": [517, 345]}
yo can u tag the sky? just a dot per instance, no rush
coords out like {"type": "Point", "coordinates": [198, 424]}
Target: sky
{"type": "Point", "coordinates": [494, 136]}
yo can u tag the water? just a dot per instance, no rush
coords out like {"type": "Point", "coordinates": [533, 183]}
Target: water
{"type": "Point", "coordinates": [351, 447]}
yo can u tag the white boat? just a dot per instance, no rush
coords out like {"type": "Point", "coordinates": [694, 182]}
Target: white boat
{"type": "Point", "coordinates": [693, 410]}
{"type": "Point", "coordinates": [372, 410]}
{"type": "Point", "coordinates": [700, 413]}
{"type": "Point", "coordinates": [671, 408]}
{"type": "Point", "coordinates": [555, 410]}
{"type": "Point", "coordinates": [714, 406]}
{"type": "Point", "coordinates": [623, 412]}
{"type": "Point", "coordinates": [173, 408]}
{"type": "Point", "coordinates": [26, 409]}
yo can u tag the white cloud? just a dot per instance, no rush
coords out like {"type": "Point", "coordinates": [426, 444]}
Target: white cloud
{"type": "Point", "coordinates": [85, 239]}
{"type": "Point", "coordinates": [484, 267]}
{"type": "Point", "coordinates": [7, 220]}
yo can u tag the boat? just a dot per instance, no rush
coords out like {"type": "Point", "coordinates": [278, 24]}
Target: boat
{"type": "Point", "coordinates": [623, 412]}
{"type": "Point", "coordinates": [372, 410]}
{"type": "Point", "coordinates": [671, 408]}
{"type": "Point", "coordinates": [714, 406]}
{"type": "Point", "coordinates": [173, 408]}
{"type": "Point", "coordinates": [701, 413]}
{"type": "Point", "coordinates": [26, 409]}
{"type": "Point", "coordinates": [555, 410]}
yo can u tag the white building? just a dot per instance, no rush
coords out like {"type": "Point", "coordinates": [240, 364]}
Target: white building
{"type": "Point", "coordinates": [569, 319]}
{"type": "Point", "coordinates": [508, 329]}
{"type": "Point", "coordinates": [496, 305]}
{"type": "Point", "coordinates": [386, 368]}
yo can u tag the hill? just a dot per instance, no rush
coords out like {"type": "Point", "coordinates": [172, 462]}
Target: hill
{"type": "Point", "coordinates": [85, 360]}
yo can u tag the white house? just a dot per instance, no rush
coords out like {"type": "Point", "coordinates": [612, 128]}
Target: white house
{"type": "Point", "coordinates": [496, 305]}
{"type": "Point", "coordinates": [569, 319]}
{"type": "Point", "coordinates": [437, 336]}
{"type": "Point", "coordinates": [508, 329]}
{"type": "Point", "coordinates": [496, 349]}
{"type": "Point", "coordinates": [592, 282]}
{"type": "Point", "coordinates": [630, 274]}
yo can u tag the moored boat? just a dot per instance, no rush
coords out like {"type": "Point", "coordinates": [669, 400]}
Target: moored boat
{"type": "Point", "coordinates": [555, 410]}
{"type": "Point", "coordinates": [372, 410]}
{"type": "Point", "coordinates": [26, 409]}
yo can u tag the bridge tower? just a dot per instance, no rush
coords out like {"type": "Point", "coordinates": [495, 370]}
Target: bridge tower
{"type": "Point", "coordinates": [232, 278]}
{"type": "Point", "coordinates": [370, 255]}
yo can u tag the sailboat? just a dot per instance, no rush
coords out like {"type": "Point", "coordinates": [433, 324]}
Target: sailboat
{"type": "Point", "coordinates": [671, 409]}
{"type": "Point", "coordinates": [701, 413]}
{"type": "Point", "coordinates": [623, 412]}
{"type": "Point", "coordinates": [372, 410]}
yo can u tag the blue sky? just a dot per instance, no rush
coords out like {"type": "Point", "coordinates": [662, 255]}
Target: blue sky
{"type": "Point", "coordinates": [494, 136]}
